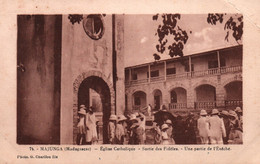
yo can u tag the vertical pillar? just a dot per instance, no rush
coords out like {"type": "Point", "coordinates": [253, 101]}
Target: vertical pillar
{"type": "Point", "coordinates": [165, 70]}
{"type": "Point", "coordinates": [149, 73]}
{"type": "Point", "coordinates": [120, 72]}
{"type": "Point", "coordinates": [190, 64]}
{"type": "Point", "coordinates": [218, 61]}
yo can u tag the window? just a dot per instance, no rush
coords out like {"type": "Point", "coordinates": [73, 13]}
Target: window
{"type": "Point", "coordinates": [170, 71]}
{"type": "Point", "coordinates": [187, 68]}
{"type": "Point", "coordinates": [155, 73]}
{"type": "Point", "coordinates": [222, 62]}
{"type": "Point", "coordinates": [134, 76]}
{"type": "Point", "coordinates": [137, 101]}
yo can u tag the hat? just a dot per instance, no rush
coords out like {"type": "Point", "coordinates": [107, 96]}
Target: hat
{"type": "Point", "coordinates": [135, 124]}
{"type": "Point", "coordinates": [82, 106]}
{"type": "Point", "coordinates": [232, 113]}
{"type": "Point", "coordinates": [238, 109]}
{"type": "Point", "coordinates": [165, 126]}
{"type": "Point", "coordinates": [168, 122]}
{"type": "Point", "coordinates": [224, 112]}
{"type": "Point", "coordinates": [112, 117]}
{"type": "Point", "coordinates": [214, 111]}
{"type": "Point", "coordinates": [132, 117]}
{"type": "Point", "coordinates": [121, 118]}
{"type": "Point", "coordinates": [82, 111]}
{"type": "Point", "coordinates": [203, 112]}
{"type": "Point", "coordinates": [136, 114]}
{"type": "Point", "coordinates": [164, 108]}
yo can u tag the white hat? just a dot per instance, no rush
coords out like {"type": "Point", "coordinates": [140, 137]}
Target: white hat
{"type": "Point", "coordinates": [165, 126]}
{"type": "Point", "coordinates": [82, 111]}
{"type": "Point", "coordinates": [82, 106]}
{"type": "Point", "coordinates": [214, 111]}
{"type": "Point", "coordinates": [238, 109]}
{"type": "Point", "coordinates": [121, 118]}
{"type": "Point", "coordinates": [232, 113]}
{"type": "Point", "coordinates": [132, 117]}
{"type": "Point", "coordinates": [168, 121]}
{"type": "Point", "coordinates": [224, 112]}
{"type": "Point", "coordinates": [203, 112]}
{"type": "Point", "coordinates": [112, 117]}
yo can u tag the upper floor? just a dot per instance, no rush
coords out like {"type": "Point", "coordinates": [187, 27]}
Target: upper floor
{"type": "Point", "coordinates": [211, 63]}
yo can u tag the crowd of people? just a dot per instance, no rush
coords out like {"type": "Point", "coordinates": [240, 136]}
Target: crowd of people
{"type": "Point", "coordinates": [223, 127]}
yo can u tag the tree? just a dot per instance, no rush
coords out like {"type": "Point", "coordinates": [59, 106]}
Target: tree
{"type": "Point", "coordinates": [169, 29]}
{"type": "Point", "coordinates": [233, 24]}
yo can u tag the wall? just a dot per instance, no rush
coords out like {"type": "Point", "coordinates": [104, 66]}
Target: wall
{"type": "Point", "coordinates": [38, 84]}
{"type": "Point", "coordinates": [83, 57]}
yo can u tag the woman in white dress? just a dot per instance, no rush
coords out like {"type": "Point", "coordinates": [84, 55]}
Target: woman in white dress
{"type": "Point", "coordinates": [91, 130]}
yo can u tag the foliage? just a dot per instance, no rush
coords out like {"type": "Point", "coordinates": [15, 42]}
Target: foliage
{"type": "Point", "coordinates": [168, 29]}
{"type": "Point", "coordinates": [233, 24]}
{"type": "Point", "coordinates": [75, 18]}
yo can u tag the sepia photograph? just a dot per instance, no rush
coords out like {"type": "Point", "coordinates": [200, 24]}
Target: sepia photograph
{"type": "Point", "coordinates": [130, 79]}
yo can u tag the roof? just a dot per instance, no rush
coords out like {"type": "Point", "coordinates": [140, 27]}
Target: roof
{"type": "Point", "coordinates": [186, 56]}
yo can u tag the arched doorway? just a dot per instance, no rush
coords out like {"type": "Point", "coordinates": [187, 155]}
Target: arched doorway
{"type": "Point", "coordinates": [178, 98]}
{"type": "Point", "coordinates": [157, 94]}
{"type": "Point", "coordinates": [233, 96]}
{"type": "Point", "coordinates": [94, 91]}
{"type": "Point", "coordinates": [139, 100]}
{"type": "Point", "coordinates": [205, 96]}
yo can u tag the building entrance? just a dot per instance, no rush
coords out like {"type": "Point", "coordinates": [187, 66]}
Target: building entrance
{"type": "Point", "coordinates": [94, 91]}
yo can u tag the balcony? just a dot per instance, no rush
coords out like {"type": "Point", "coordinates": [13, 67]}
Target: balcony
{"type": "Point", "coordinates": [194, 74]}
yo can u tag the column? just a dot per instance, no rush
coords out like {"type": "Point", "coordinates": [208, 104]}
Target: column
{"type": "Point", "coordinates": [218, 61]}
{"type": "Point", "coordinates": [165, 69]}
{"type": "Point", "coordinates": [149, 73]}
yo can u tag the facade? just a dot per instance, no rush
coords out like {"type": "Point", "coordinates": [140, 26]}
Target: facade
{"type": "Point", "coordinates": [198, 81]}
{"type": "Point", "coordinates": [63, 64]}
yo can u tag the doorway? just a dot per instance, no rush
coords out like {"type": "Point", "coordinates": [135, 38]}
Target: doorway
{"type": "Point", "coordinates": [94, 91]}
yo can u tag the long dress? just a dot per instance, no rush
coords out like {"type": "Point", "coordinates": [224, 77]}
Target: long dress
{"type": "Point", "coordinates": [91, 133]}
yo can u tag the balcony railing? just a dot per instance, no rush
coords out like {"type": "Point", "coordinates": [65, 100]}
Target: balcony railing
{"type": "Point", "coordinates": [177, 105]}
{"type": "Point", "coordinates": [233, 103]}
{"type": "Point", "coordinates": [205, 105]}
{"type": "Point", "coordinates": [208, 72]}
{"type": "Point", "coordinates": [159, 78]}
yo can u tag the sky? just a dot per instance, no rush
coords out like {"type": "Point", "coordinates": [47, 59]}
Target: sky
{"type": "Point", "coordinates": [140, 39]}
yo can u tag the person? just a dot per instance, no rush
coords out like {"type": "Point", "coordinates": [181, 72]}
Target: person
{"type": "Point", "coordinates": [203, 127]}
{"type": "Point", "coordinates": [157, 136]}
{"type": "Point", "coordinates": [136, 137]}
{"type": "Point", "coordinates": [235, 136]}
{"type": "Point", "coordinates": [120, 130]}
{"type": "Point", "coordinates": [142, 120]}
{"type": "Point", "coordinates": [216, 128]}
{"type": "Point", "coordinates": [239, 113]}
{"type": "Point", "coordinates": [233, 119]}
{"type": "Point", "coordinates": [81, 136]}
{"type": "Point", "coordinates": [149, 110]}
{"type": "Point", "coordinates": [112, 128]}
{"type": "Point", "coordinates": [165, 139]}
{"type": "Point", "coordinates": [91, 130]}
{"type": "Point", "coordinates": [179, 131]}
{"type": "Point", "coordinates": [190, 134]}
{"type": "Point", "coordinates": [225, 117]}
{"type": "Point", "coordinates": [170, 131]}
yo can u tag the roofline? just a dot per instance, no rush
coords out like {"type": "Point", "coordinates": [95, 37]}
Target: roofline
{"type": "Point", "coordinates": [195, 54]}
